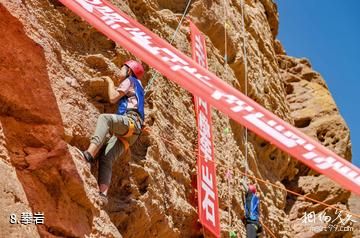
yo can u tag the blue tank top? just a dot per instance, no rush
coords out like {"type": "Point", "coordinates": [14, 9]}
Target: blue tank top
{"type": "Point", "coordinates": [252, 208]}
{"type": "Point", "coordinates": [139, 94]}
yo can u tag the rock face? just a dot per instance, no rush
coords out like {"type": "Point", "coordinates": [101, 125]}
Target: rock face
{"type": "Point", "coordinates": [354, 204]}
{"type": "Point", "coordinates": [53, 66]}
{"type": "Point", "coordinates": [314, 113]}
{"type": "Point", "coordinates": [37, 166]}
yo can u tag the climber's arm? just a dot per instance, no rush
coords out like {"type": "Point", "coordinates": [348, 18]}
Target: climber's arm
{"type": "Point", "coordinates": [244, 184]}
{"type": "Point", "coordinates": [114, 94]}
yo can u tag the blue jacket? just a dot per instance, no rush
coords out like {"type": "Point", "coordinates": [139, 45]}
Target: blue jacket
{"type": "Point", "coordinates": [252, 207]}
{"type": "Point", "coordinates": [140, 96]}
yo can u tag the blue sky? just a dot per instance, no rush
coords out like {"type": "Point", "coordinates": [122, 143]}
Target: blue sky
{"type": "Point", "coordinates": [328, 34]}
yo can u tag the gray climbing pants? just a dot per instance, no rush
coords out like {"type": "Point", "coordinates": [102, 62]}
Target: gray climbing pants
{"type": "Point", "coordinates": [116, 125]}
{"type": "Point", "coordinates": [252, 230]}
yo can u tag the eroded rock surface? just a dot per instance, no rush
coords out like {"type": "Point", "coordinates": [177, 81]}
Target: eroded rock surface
{"type": "Point", "coordinates": [53, 66]}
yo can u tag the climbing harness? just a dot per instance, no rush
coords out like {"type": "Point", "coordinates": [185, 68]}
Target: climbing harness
{"type": "Point", "coordinates": [131, 129]}
{"type": "Point", "coordinates": [71, 3]}
{"type": "Point", "coordinates": [130, 132]}
{"type": "Point", "coordinates": [193, 154]}
{"type": "Point", "coordinates": [125, 143]}
{"type": "Point", "coordinates": [345, 174]}
{"type": "Point", "coordinates": [303, 196]}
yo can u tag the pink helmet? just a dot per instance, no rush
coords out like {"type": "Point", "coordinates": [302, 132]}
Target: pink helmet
{"type": "Point", "coordinates": [252, 188]}
{"type": "Point", "coordinates": [136, 67]}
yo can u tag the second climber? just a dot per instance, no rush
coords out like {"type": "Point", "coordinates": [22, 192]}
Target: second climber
{"type": "Point", "coordinates": [252, 203]}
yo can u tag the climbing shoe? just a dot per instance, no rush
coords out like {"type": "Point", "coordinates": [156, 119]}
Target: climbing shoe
{"type": "Point", "coordinates": [86, 155]}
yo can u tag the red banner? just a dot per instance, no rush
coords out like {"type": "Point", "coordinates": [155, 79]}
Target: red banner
{"type": "Point", "coordinates": [184, 71]}
{"type": "Point", "coordinates": [208, 204]}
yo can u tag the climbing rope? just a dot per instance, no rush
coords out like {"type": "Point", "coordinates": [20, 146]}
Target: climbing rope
{"type": "Point", "coordinates": [303, 196]}
{"type": "Point", "coordinates": [191, 153]}
{"type": "Point", "coordinates": [246, 81]}
{"type": "Point", "coordinates": [268, 230]}
{"type": "Point", "coordinates": [229, 162]}
{"type": "Point", "coordinates": [171, 41]}
{"type": "Point", "coordinates": [194, 154]}
{"type": "Point", "coordinates": [147, 129]}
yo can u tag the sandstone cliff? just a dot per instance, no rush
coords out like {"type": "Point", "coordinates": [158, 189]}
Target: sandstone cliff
{"type": "Point", "coordinates": [51, 94]}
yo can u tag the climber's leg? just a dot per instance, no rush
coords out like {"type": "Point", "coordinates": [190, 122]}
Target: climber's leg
{"type": "Point", "coordinates": [106, 123]}
{"type": "Point", "coordinates": [114, 149]}
{"type": "Point", "coordinates": [251, 230]}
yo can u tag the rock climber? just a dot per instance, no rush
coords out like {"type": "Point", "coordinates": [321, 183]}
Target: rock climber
{"type": "Point", "coordinates": [252, 203]}
{"type": "Point", "coordinates": [124, 126]}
